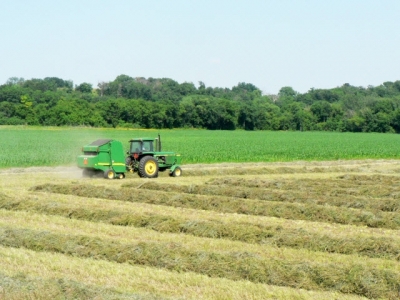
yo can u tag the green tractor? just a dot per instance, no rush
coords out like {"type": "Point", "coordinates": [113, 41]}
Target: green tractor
{"type": "Point", "coordinates": [146, 157]}
{"type": "Point", "coordinates": [103, 156]}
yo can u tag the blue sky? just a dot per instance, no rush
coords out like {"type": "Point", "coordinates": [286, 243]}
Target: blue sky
{"type": "Point", "coordinates": [303, 44]}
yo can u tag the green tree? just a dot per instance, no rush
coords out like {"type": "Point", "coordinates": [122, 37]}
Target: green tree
{"type": "Point", "coordinates": [287, 91]}
{"type": "Point", "coordinates": [84, 88]}
{"type": "Point", "coordinates": [286, 96]}
{"type": "Point", "coordinates": [188, 113]}
{"type": "Point", "coordinates": [111, 111]}
{"type": "Point", "coordinates": [15, 81]}
{"type": "Point", "coordinates": [12, 93]}
{"type": "Point", "coordinates": [7, 109]}
{"type": "Point", "coordinates": [321, 110]}
{"type": "Point", "coordinates": [395, 120]}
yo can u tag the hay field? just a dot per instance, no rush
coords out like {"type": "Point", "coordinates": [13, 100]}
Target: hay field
{"type": "Point", "coordinates": [295, 230]}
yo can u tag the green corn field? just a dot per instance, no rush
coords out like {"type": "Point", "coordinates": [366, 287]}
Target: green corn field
{"type": "Point", "coordinates": [33, 146]}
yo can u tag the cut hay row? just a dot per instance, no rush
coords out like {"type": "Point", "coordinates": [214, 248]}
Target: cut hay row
{"type": "Point", "coordinates": [123, 234]}
{"type": "Point", "coordinates": [22, 287]}
{"type": "Point", "coordinates": [264, 170]}
{"type": "Point", "coordinates": [44, 273]}
{"type": "Point", "coordinates": [294, 211]}
{"type": "Point", "coordinates": [271, 232]}
{"type": "Point", "coordinates": [343, 181]}
{"type": "Point", "coordinates": [373, 278]}
{"type": "Point", "coordinates": [294, 192]}
{"type": "Point", "coordinates": [378, 186]}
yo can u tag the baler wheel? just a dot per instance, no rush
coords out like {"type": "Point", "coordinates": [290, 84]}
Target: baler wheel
{"type": "Point", "coordinates": [121, 175]}
{"type": "Point", "coordinates": [148, 167]}
{"type": "Point", "coordinates": [109, 174]}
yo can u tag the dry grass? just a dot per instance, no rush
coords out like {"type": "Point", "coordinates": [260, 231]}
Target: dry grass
{"type": "Point", "coordinates": [214, 258]}
{"type": "Point", "coordinates": [187, 197]}
{"type": "Point", "coordinates": [299, 235]}
{"type": "Point", "coordinates": [145, 281]}
{"type": "Point", "coordinates": [63, 226]}
{"type": "Point", "coordinates": [243, 170]}
{"type": "Point", "coordinates": [345, 191]}
{"type": "Point", "coordinates": [356, 191]}
{"type": "Point", "coordinates": [211, 235]}
{"type": "Point", "coordinates": [21, 286]}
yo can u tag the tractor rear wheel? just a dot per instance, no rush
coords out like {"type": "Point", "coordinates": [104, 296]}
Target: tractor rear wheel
{"type": "Point", "coordinates": [148, 167]}
{"type": "Point", "coordinates": [109, 174]}
{"type": "Point", "coordinates": [177, 172]}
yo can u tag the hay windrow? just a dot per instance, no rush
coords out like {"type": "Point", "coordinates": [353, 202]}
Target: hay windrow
{"type": "Point", "coordinates": [22, 287]}
{"type": "Point", "coordinates": [254, 170]}
{"type": "Point", "coordinates": [349, 185]}
{"type": "Point", "coordinates": [355, 278]}
{"type": "Point", "coordinates": [292, 191]}
{"type": "Point", "coordinates": [129, 279]}
{"type": "Point", "coordinates": [295, 211]}
{"type": "Point", "coordinates": [278, 235]}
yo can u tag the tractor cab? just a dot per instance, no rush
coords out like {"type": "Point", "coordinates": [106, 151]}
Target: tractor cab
{"type": "Point", "coordinates": [141, 145]}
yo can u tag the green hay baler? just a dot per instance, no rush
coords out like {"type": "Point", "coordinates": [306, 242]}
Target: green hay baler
{"type": "Point", "coordinates": [105, 156]}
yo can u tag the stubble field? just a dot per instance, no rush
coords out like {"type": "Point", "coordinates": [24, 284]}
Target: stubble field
{"type": "Point", "coordinates": [293, 230]}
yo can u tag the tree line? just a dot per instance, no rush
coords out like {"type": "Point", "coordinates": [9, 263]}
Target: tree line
{"type": "Point", "coordinates": [164, 103]}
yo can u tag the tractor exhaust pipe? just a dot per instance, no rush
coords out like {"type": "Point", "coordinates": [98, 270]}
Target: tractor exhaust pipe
{"type": "Point", "coordinates": [159, 143]}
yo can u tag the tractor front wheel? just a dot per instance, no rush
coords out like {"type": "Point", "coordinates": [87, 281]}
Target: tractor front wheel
{"type": "Point", "coordinates": [177, 172]}
{"type": "Point", "coordinates": [109, 174]}
{"type": "Point", "coordinates": [148, 167]}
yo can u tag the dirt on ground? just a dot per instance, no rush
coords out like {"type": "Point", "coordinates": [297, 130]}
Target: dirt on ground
{"type": "Point", "coordinates": [369, 165]}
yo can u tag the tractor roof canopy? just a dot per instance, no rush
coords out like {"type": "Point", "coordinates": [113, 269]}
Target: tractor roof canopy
{"type": "Point", "coordinates": [141, 139]}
